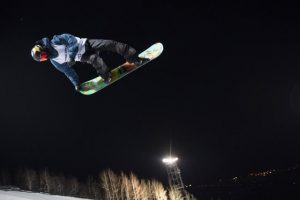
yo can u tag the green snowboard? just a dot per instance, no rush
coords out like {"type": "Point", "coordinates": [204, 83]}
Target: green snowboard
{"type": "Point", "coordinates": [96, 84]}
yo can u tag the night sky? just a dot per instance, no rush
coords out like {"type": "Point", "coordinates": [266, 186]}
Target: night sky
{"type": "Point", "coordinates": [225, 91]}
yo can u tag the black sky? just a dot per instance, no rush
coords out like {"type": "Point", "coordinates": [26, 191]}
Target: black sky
{"type": "Point", "coordinates": [226, 90]}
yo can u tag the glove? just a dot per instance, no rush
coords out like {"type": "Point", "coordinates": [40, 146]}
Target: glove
{"type": "Point", "coordinates": [71, 62]}
{"type": "Point", "coordinates": [77, 88]}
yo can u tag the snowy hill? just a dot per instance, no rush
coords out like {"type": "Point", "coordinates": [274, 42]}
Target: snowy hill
{"type": "Point", "coordinates": [17, 195]}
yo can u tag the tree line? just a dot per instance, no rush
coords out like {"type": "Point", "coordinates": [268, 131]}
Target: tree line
{"type": "Point", "coordinates": [107, 186]}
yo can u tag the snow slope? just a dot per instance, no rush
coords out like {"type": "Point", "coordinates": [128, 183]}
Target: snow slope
{"type": "Point", "coordinates": [16, 195]}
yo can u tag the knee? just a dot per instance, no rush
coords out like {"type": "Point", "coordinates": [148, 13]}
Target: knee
{"type": "Point", "coordinates": [93, 59]}
{"type": "Point", "coordinates": [131, 51]}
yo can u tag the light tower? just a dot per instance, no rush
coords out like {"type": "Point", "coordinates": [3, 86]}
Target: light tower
{"type": "Point", "coordinates": [174, 175]}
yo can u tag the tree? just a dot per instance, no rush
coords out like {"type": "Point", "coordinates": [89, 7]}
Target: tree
{"type": "Point", "coordinates": [93, 188]}
{"type": "Point", "coordinates": [136, 187]}
{"type": "Point", "coordinates": [126, 189]}
{"type": "Point", "coordinates": [175, 194]}
{"type": "Point", "coordinates": [110, 183]}
{"type": "Point", "coordinates": [73, 187]}
{"type": "Point", "coordinates": [190, 196]}
{"type": "Point", "coordinates": [146, 193]}
{"type": "Point", "coordinates": [105, 185]}
{"type": "Point", "coordinates": [5, 178]}
{"type": "Point", "coordinates": [159, 193]}
{"type": "Point", "coordinates": [31, 180]}
{"type": "Point", "coordinates": [59, 185]}
{"type": "Point", "coordinates": [45, 181]}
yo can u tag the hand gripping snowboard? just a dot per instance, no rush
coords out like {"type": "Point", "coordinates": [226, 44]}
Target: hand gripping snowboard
{"type": "Point", "coordinates": [96, 84]}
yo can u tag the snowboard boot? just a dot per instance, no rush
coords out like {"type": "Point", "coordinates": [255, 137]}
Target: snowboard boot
{"type": "Point", "coordinates": [140, 61]}
{"type": "Point", "coordinates": [136, 60]}
{"type": "Point", "coordinates": [107, 77]}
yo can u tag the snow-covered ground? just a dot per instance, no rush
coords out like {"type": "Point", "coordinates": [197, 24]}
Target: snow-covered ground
{"type": "Point", "coordinates": [16, 195]}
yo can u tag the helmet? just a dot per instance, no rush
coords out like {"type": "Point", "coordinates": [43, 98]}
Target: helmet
{"type": "Point", "coordinates": [38, 53]}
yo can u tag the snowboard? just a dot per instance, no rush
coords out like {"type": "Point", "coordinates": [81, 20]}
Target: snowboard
{"type": "Point", "coordinates": [97, 84]}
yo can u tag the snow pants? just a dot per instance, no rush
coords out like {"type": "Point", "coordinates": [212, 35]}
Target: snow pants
{"type": "Point", "coordinates": [95, 46]}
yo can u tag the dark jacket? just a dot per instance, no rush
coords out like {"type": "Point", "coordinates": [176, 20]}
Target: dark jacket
{"type": "Point", "coordinates": [72, 47]}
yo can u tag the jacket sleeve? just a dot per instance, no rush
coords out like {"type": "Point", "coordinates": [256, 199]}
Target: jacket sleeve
{"type": "Point", "coordinates": [43, 42]}
{"type": "Point", "coordinates": [70, 41]}
{"type": "Point", "coordinates": [68, 71]}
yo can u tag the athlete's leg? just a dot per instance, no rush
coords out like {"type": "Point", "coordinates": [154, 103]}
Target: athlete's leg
{"type": "Point", "coordinates": [126, 51]}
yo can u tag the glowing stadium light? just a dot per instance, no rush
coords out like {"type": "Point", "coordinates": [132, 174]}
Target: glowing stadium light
{"type": "Point", "coordinates": [170, 160]}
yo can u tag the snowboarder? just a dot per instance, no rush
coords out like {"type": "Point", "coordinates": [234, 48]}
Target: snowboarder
{"type": "Point", "coordinates": [65, 49]}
